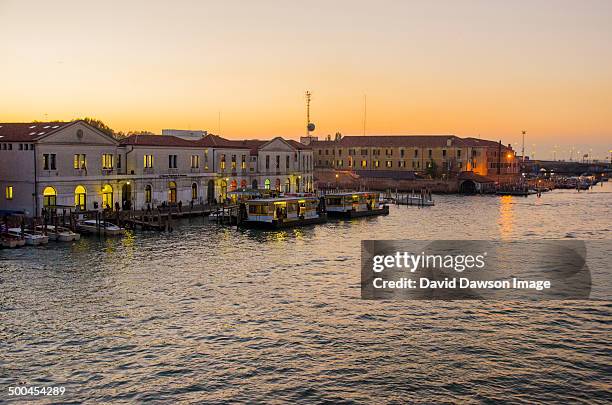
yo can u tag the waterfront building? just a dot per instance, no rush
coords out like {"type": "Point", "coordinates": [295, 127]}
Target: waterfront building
{"type": "Point", "coordinates": [431, 154]}
{"type": "Point", "coordinates": [72, 165]}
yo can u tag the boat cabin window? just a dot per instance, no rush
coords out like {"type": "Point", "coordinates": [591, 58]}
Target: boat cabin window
{"type": "Point", "coordinates": [334, 200]}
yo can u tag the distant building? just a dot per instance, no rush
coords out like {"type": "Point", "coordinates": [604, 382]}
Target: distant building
{"type": "Point", "coordinates": [188, 134]}
{"type": "Point", "coordinates": [442, 154]}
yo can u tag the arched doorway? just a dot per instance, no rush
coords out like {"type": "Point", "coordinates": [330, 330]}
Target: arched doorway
{"type": "Point", "coordinates": [194, 192]}
{"type": "Point", "coordinates": [80, 198]}
{"type": "Point", "coordinates": [107, 196]}
{"type": "Point", "coordinates": [243, 184]}
{"type": "Point", "coordinates": [233, 185]}
{"type": "Point", "coordinates": [171, 192]}
{"type": "Point", "coordinates": [267, 184]}
{"type": "Point", "coordinates": [49, 197]}
{"type": "Point", "coordinates": [148, 194]}
{"type": "Point", "coordinates": [126, 196]}
{"type": "Point", "coordinates": [277, 185]}
{"type": "Point", "coordinates": [210, 192]}
{"type": "Point", "coordinates": [468, 187]}
{"type": "Point", "coordinates": [254, 185]}
{"type": "Point", "coordinates": [288, 185]}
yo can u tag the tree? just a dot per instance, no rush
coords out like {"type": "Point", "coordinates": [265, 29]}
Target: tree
{"type": "Point", "coordinates": [130, 133]}
{"type": "Point", "coordinates": [96, 123]}
{"type": "Point", "coordinates": [99, 124]}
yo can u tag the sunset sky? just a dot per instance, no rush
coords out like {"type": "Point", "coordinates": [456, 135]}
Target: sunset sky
{"type": "Point", "coordinates": [470, 68]}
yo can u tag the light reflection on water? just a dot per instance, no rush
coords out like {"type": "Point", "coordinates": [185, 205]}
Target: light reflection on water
{"type": "Point", "coordinates": [209, 313]}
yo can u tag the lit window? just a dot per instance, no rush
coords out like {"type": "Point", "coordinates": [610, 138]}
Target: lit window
{"type": "Point", "coordinates": [9, 192]}
{"type": "Point", "coordinates": [107, 161]}
{"type": "Point", "coordinates": [79, 161]}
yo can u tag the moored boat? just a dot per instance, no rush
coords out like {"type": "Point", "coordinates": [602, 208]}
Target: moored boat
{"type": "Point", "coordinates": [31, 237]}
{"type": "Point", "coordinates": [285, 212]}
{"type": "Point", "coordinates": [353, 205]}
{"type": "Point", "coordinates": [59, 233]}
{"type": "Point", "coordinates": [11, 241]}
{"type": "Point", "coordinates": [101, 227]}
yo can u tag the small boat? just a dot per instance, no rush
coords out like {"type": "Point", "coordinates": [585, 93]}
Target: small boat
{"type": "Point", "coordinates": [31, 237]}
{"type": "Point", "coordinates": [11, 241]}
{"type": "Point", "coordinates": [60, 233]}
{"type": "Point", "coordinates": [353, 205]}
{"type": "Point", "coordinates": [102, 227]}
{"type": "Point", "coordinates": [221, 212]}
{"type": "Point", "coordinates": [517, 193]}
{"type": "Point", "coordinates": [277, 213]}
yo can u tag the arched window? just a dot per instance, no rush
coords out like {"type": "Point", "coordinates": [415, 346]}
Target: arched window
{"type": "Point", "coordinates": [80, 197]}
{"type": "Point", "coordinates": [297, 185]}
{"type": "Point", "coordinates": [171, 192]}
{"type": "Point", "coordinates": [194, 191]}
{"type": "Point", "coordinates": [107, 196]}
{"type": "Point", "coordinates": [254, 185]}
{"type": "Point", "coordinates": [267, 184]}
{"type": "Point", "coordinates": [288, 185]}
{"type": "Point", "coordinates": [277, 185]}
{"type": "Point", "coordinates": [243, 184]}
{"type": "Point", "coordinates": [148, 194]}
{"type": "Point", "coordinates": [49, 197]}
{"type": "Point", "coordinates": [223, 193]}
{"type": "Point", "coordinates": [233, 185]}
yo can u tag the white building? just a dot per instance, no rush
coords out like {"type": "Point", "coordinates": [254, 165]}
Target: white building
{"type": "Point", "coordinates": [188, 134]}
{"type": "Point", "coordinates": [68, 165]}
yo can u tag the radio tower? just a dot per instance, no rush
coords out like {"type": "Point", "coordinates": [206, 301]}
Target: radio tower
{"type": "Point", "coordinates": [309, 125]}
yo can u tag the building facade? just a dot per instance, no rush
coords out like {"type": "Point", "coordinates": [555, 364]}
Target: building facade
{"type": "Point", "coordinates": [433, 154]}
{"type": "Point", "coordinates": [75, 166]}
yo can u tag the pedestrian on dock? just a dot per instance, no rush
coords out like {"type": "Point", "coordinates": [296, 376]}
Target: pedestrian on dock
{"type": "Point", "coordinates": [180, 205]}
{"type": "Point", "coordinates": [117, 206]}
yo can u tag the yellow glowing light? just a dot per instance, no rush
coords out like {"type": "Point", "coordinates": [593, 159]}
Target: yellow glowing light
{"type": "Point", "coordinates": [509, 155]}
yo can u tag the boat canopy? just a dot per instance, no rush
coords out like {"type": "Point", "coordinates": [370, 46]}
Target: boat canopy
{"type": "Point", "coordinates": [282, 200]}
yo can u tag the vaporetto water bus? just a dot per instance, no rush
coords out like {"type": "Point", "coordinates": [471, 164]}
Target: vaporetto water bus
{"type": "Point", "coordinates": [357, 204]}
{"type": "Point", "coordinates": [283, 212]}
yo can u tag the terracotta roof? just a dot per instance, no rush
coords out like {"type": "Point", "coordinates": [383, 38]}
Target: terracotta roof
{"type": "Point", "coordinates": [298, 145]}
{"type": "Point", "coordinates": [158, 140]}
{"type": "Point", "coordinates": [211, 141]}
{"type": "Point", "coordinates": [404, 140]}
{"type": "Point", "coordinates": [28, 131]}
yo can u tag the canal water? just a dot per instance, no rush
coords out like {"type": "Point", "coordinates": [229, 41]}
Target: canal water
{"type": "Point", "coordinates": [209, 313]}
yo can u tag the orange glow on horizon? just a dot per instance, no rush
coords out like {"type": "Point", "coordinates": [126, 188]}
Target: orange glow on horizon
{"type": "Point", "coordinates": [240, 70]}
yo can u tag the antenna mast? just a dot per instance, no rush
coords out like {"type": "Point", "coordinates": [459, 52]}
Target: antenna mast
{"type": "Point", "coordinates": [523, 149]}
{"type": "Point", "coordinates": [309, 125]}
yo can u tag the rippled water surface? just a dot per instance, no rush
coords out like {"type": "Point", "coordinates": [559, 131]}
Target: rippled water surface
{"type": "Point", "coordinates": [222, 315]}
